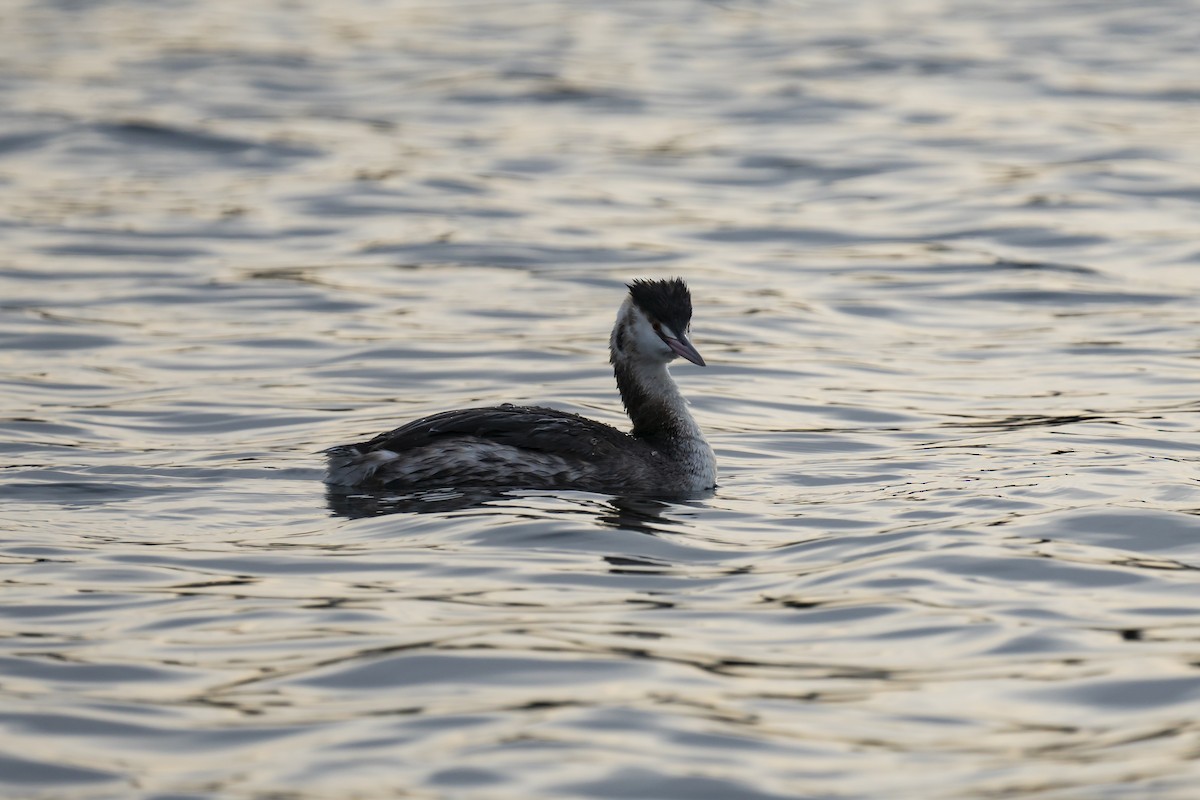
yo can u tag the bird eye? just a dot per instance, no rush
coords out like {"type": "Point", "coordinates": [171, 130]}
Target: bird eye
{"type": "Point", "coordinates": [657, 326]}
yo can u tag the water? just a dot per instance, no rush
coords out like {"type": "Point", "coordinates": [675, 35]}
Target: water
{"type": "Point", "coordinates": [946, 267]}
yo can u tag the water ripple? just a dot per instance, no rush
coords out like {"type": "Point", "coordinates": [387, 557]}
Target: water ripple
{"type": "Point", "coordinates": [944, 268]}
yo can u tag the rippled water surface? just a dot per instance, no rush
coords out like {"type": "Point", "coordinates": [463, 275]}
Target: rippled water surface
{"type": "Point", "coordinates": [946, 264]}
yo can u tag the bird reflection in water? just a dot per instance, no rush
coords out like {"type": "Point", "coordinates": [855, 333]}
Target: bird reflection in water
{"type": "Point", "coordinates": [630, 513]}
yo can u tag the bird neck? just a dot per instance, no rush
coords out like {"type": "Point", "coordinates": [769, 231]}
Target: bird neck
{"type": "Point", "coordinates": [653, 401]}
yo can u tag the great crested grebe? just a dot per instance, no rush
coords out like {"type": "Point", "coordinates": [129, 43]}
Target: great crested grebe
{"type": "Point", "coordinates": [528, 447]}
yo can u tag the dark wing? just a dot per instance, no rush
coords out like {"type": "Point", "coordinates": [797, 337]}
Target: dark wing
{"type": "Point", "coordinates": [527, 427]}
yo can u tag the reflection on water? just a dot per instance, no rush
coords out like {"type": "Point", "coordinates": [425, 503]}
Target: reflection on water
{"type": "Point", "coordinates": [355, 504]}
{"type": "Point", "coordinates": [628, 513]}
{"type": "Point", "coordinates": [944, 264]}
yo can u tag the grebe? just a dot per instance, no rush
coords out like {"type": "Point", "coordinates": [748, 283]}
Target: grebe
{"type": "Point", "coordinates": [527, 447]}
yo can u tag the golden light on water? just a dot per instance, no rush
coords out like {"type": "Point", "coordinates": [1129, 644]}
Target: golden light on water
{"type": "Point", "coordinates": [943, 265]}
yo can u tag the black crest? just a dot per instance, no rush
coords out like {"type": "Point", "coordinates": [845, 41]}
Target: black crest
{"type": "Point", "coordinates": [667, 301]}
